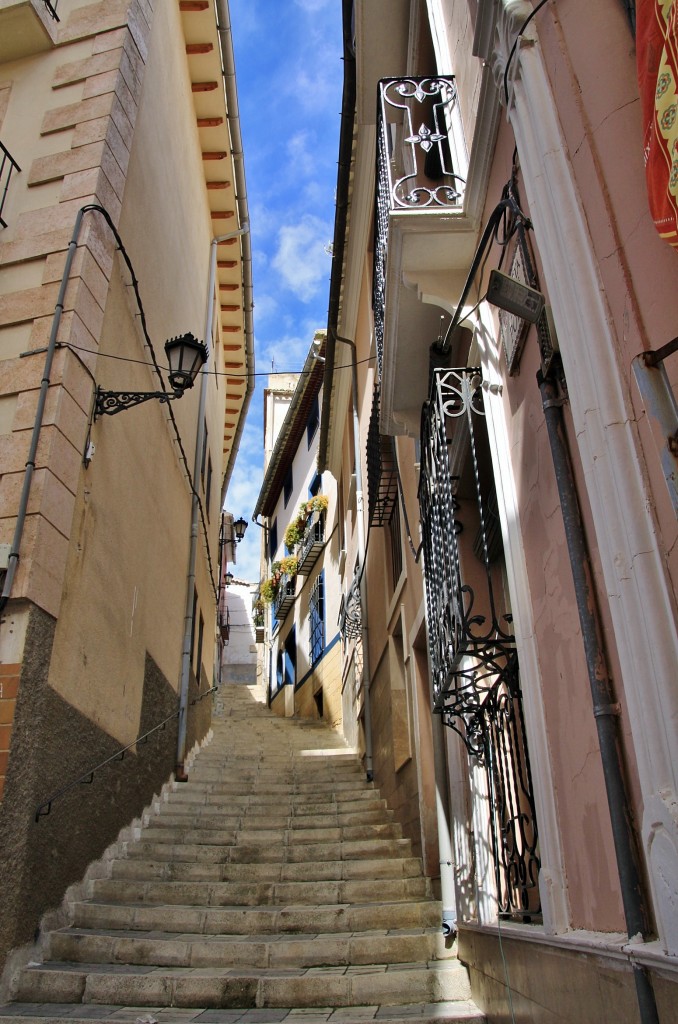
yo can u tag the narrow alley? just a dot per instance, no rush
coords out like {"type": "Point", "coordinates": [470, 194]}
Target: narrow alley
{"type": "Point", "coordinates": [274, 885]}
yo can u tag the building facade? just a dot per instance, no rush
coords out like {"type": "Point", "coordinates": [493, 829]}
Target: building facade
{"type": "Point", "coordinates": [505, 297]}
{"type": "Point", "coordinates": [123, 224]}
{"type": "Point", "coordinates": [301, 552]}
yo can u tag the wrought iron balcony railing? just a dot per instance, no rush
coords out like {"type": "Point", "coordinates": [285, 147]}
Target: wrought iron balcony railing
{"type": "Point", "coordinates": [285, 597]}
{"type": "Point", "coordinates": [7, 166]}
{"type": "Point", "coordinates": [418, 134]}
{"type": "Point", "coordinates": [473, 652]}
{"type": "Point", "coordinates": [382, 471]}
{"type": "Point", "coordinates": [311, 543]}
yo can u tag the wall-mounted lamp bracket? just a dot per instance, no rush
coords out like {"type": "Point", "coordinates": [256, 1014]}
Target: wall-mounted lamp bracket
{"type": "Point", "coordinates": [186, 356]}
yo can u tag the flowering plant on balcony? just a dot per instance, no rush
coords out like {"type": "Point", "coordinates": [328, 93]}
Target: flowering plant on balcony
{"type": "Point", "coordinates": [295, 531]}
{"type": "Point", "coordinates": [285, 567]}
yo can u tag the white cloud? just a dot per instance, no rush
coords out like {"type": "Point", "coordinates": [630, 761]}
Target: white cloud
{"type": "Point", "coordinates": [301, 157]}
{"type": "Point", "coordinates": [312, 6]}
{"type": "Point", "coordinates": [300, 258]}
{"type": "Point", "coordinates": [265, 307]}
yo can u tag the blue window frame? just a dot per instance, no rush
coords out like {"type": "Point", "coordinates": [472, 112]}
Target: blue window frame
{"type": "Point", "coordinates": [316, 610]}
{"type": "Point", "coordinates": [291, 657]}
{"type": "Point", "coordinates": [313, 421]}
{"type": "Point", "coordinates": [288, 484]}
{"type": "Point", "coordinates": [315, 485]}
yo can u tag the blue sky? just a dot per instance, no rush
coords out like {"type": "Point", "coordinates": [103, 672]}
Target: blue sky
{"type": "Point", "coordinates": [289, 76]}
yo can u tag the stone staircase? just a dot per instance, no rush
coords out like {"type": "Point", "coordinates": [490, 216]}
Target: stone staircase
{"type": "Point", "coordinates": [273, 885]}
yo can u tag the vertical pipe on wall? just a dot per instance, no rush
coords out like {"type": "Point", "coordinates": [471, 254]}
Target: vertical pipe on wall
{"type": "Point", "coordinates": [14, 554]}
{"type": "Point", "coordinates": [360, 528]}
{"type": "Point", "coordinates": [605, 710]}
{"type": "Point", "coordinates": [189, 624]}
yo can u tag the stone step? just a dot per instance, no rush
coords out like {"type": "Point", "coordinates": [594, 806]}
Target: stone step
{"type": "Point", "coordinates": [250, 894]}
{"type": "Point", "coordinates": [457, 1012]}
{"type": "Point", "coordinates": [299, 853]}
{"type": "Point", "coordinates": [157, 832]}
{"type": "Point", "coordinates": [168, 950]}
{"type": "Point", "coordinates": [211, 987]}
{"type": "Point", "coordinates": [267, 920]}
{"type": "Point", "coordinates": [263, 803]}
{"type": "Point", "coordinates": [311, 871]}
{"type": "Point", "coordinates": [185, 816]}
{"type": "Point", "coordinates": [311, 788]}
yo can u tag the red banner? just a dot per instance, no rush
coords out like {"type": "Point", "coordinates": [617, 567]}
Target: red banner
{"type": "Point", "coordinates": [657, 59]}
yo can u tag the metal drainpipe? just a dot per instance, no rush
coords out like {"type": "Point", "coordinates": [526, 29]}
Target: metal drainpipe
{"type": "Point", "coordinates": [39, 415]}
{"type": "Point", "coordinates": [605, 710]}
{"type": "Point", "coordinates": [195, 514]}
{"type": "Point", "coordinates": [367, 711]}
{"type": "Point", "coordinates": [447, 889]}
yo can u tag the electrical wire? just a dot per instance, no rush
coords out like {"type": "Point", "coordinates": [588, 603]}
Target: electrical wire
{"type": "Point", "coordinates": [511, 55]}
{"type": "Point", "coordinates": [211, 373]}
{"type": "Point", "coordinates": [147, 338]}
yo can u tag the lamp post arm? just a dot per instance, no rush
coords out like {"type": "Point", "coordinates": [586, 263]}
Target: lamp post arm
{"type": "Point", "coordinates": [108, 403]}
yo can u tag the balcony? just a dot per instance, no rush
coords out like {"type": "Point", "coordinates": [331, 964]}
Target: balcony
{"type": "Point", "coordinates": [7, 166]}
{"type": "Point", "coordinates": [284, 598]}
{"type": "Point", "coordinates": [429, 199]}
{"type": "Point", "coordinates": [311, 543]}
{"type": "Point", "coordinates": [27, 27]}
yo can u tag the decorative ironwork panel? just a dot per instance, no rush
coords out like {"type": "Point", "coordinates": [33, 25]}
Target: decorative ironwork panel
{"type": "Point", "coordinates": [7, 166]}
{"type": "Point", "coordinates": [473, 651]}
{"type": "Point", "coordinates": [381, 211]}
{"type": "Point", "coordinates": [350, 612]}
{"type": "Point", "coordinates": [382, 472]}
{"type": "Point", "coordinates": [415, 119]}
{"type": "Point", "coordinates": [415, 170]}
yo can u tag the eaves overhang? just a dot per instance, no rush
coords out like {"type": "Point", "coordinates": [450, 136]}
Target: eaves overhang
{"type": "Point", "coordinates": [292, 430]}
{"type": "Point", "coordinates": [211, 64]}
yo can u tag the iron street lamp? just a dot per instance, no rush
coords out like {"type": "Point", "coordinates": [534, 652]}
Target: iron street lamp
{"type": "Point", "coordinates": [228, 578]}
{"type": "Point", "coordinates": [239, 527]}
{"type": "Point", "coordinates": [186, 357]}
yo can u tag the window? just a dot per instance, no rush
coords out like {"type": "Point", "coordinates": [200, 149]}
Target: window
{"type": "Point", "coordinates": [313, 421]}
{"type": "Point", "coordinates": [291, 657]}
{"type": "Point", "coordinates": [208, 485]}
{"type": "Point", "coordinates": [396, 545]}
{"type": "Point", "coordinates": [273, 540]}
{"type": "Point", "coordinates": [194, 619]}
{"type": "Point", "coordinates": [203, 459]}
{"type": "Point", "coordinates": [315, 485]}
{"type": "Point", "coordinates": [287, 485]}
{"type": "Point", "coordinates": [198, 659]}
{"type": "Point", "coordinates": [316, 611]}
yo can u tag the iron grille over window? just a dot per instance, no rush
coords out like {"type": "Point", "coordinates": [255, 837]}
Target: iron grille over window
{"type": "Point", "coordinates": [7, 165]}
{"type": "Point", "coordinates": [382, 472]}
{"type": "Point", "coordinates": [474, 660]}
{"type": "Point", "coordinates": [316, 610]}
